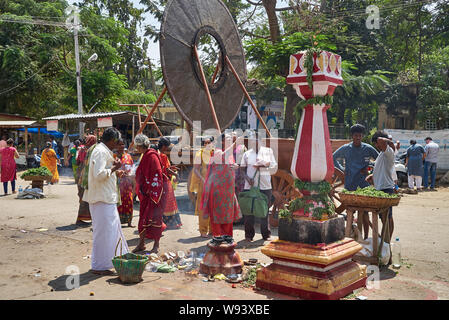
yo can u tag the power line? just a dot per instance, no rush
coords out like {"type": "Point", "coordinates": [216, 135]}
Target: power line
{"type": "Point", "coordinates": [34, 74]}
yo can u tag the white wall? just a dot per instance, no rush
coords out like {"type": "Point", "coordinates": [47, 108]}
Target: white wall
{"type": "Point", "coordinates": [441, 137]}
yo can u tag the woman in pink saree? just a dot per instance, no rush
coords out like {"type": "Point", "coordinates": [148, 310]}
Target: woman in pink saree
{"type": "Point", "coordinates": [8, 165]}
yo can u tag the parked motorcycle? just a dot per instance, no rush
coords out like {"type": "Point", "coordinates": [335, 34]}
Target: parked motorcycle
{"type": "Point", "coordinates": [401, 170]}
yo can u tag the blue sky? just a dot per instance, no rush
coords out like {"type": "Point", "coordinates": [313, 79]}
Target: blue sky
{"type": "Point", "coordinates": [153, 50]}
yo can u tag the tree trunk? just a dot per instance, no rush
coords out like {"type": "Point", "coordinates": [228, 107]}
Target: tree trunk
{"type": "Point", "coordinates": [270, 8]}
{"type": "Point", "coordinates": [341, 115]}
{"type": "Point", "coordinates": [292, 101]}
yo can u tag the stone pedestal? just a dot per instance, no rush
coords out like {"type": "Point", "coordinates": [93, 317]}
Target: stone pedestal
{"type": "Point", "coordinates": [221, 259]}
{"type": "Point", "coordinates": [321, 272]}
{"type": "Point", "coordinates": [312, 259]}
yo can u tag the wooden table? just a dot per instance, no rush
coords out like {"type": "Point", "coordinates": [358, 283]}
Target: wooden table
{"type": "Point", "coordinates": [385, 233]}
{"type": "Point", "coordinates": [37, 181]}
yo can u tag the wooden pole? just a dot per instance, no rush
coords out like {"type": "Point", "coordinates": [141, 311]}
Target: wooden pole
{"type": "Point", "coordinates": [26, 141]}
{"type": "Point", "coordinates": [150, 114]}
{"type": "Point", "coordinates": [140, 120]}
{"type": "Point", "coordinates": [216, 72]}
{"type": "Point", "coordinates": [134, 128]}
{"type": "Point", "coordinates": [39, 140]}
{"type": "Point", "coordinates": [247, 96]}
{"type": "Point", "coordinates": [154, 123]}
{"type": "Point", "coordinates": [206, 88]}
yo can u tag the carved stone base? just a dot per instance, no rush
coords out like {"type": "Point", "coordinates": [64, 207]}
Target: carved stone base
{"type": "Point", "coordinates": [221, 259]}
{"type": "Point", "coordinates": [312, 272]}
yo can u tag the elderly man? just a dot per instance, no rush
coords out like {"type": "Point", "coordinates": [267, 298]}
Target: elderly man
{"type": "Point", "coordinates": [102, 195]}
{"type": "Point", "coordinates": [258, 164]}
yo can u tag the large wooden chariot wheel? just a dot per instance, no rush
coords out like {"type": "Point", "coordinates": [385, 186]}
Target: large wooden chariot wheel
{"type": "Point", "coordinates": [338, 182]}
{"type": "Point", "coordinates": [283, 192]}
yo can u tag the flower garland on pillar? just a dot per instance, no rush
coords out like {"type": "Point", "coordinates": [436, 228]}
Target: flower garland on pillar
{"type": "Point", "coordinates": [315, 200]}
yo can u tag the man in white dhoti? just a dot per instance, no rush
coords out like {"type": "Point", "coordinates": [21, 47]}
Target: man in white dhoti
{"type": "Point", "coordinates": [102, 195]}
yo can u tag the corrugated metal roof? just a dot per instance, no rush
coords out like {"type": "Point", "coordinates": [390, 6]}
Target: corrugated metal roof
{"type": "Point", "coordinates": [92, 116]}
{"type": "Point", "coordinates": [17, 124]}
{"type": "Point", "coordinates": [87, 116]}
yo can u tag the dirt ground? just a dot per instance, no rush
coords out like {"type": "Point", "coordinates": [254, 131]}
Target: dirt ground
{"type": "Point", "coordinates": [34, 261]}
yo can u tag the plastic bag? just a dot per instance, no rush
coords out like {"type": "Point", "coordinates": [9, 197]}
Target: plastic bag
{"type": "Point", "coordinates": [367, 250]}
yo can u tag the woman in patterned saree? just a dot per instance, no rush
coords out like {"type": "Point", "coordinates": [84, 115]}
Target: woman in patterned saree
{"type": "Point", "coordinates": [219, 202]}
{"type": "Point", "coordinates": [126, 208]}
{"type": "Point", "coordinates": [171, 215]}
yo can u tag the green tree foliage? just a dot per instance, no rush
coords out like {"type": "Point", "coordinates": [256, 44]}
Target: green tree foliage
{"type": "Point", "coordinates": [37, 62]}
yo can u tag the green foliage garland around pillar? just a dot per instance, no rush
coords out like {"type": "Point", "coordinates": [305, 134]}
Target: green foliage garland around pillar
{"type": "Point", "coordinates": [319, 194]}
{"type": "Point", "coordinates": [327, 100]}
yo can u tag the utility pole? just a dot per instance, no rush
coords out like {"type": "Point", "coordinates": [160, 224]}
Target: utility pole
{"type": "Point", "coordinates": [76, 27]}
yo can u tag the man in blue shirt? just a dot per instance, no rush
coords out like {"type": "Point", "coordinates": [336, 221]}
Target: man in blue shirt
{"type": "Point", "coordinates": [357, 156]}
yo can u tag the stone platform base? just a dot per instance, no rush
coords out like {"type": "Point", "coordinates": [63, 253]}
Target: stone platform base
{"type": "Point", "coordinates": [221, 259]}
{"type": "Point", "coordinates": [332, 285]}
{"type": "Point", "coordinates": [312, 272]}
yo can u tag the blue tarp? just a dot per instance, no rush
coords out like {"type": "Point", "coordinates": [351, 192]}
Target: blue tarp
{"type": "Point", "coordinates": [55, 134]}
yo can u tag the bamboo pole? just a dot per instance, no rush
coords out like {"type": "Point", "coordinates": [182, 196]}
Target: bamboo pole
{"type": "Point", "coordinates": [206, 88]}
{"type": "Point", "coordinates": [247, 96]}
{"type": "Point", "coordinates": [159, 99]}
{"type": "Point", "coordinates": [39, 140]}
{"type": "Point", "coordinates": [26, 141]}
{"type": "Point", "coordinates": [134, 128]}
{"type": "Point", "coordinates": [140, 120]}
{"type": "Point", "coordinates": [154, 123]}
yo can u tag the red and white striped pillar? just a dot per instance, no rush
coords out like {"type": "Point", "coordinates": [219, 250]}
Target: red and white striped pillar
{"type": "Point", "coordinates": [312, 159]}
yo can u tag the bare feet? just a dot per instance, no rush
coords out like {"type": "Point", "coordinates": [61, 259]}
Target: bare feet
{"type": "Point", "coordinates": [203, 235]}
{"type": "Point", "coordinates": [102, 272]}
{"type": "Point", "coordinates": [139, 248]}
{"type": "Point", "coordinates": [155, 249]}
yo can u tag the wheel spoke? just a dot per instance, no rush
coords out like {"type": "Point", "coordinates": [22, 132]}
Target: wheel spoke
{"type": "Point", "coordinates": [275, 182]}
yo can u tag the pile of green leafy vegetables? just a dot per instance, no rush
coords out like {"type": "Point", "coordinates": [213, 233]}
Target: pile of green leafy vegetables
{"type": "Point", "coordinates": [370, 192]}
{"type": "Point", "coordinates": [42, 172]}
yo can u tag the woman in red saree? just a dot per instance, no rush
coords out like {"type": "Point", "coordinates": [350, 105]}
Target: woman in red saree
{"type": "Point", "coordinates": [8, 165]}
{"type": "Point", "coordinates": [171, 215]}
{"type": "Point", "coordinates": [151, 186]}
{"type": "Point", "coordinates": [219, 201]}
{"type": "Point", "coordinates": [126, 208]}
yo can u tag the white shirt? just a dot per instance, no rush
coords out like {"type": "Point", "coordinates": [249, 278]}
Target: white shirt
{"type": "Point", "coordinates": [432, 150]}
{"type": "Point", "coordinates": [102, 182]}
{"type": "Point", "coordinates": [382, 173]}
{"type": "Point", "coordinates": [264, 156]}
